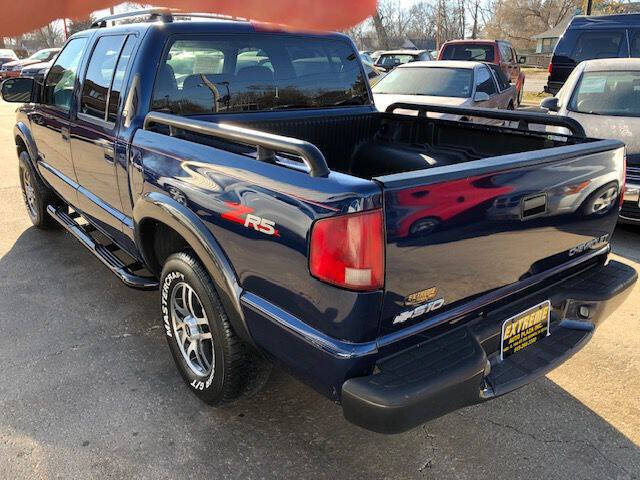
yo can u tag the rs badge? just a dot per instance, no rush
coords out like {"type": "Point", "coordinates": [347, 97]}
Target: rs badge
{"type": "Point", "coordinates": [244, 216]}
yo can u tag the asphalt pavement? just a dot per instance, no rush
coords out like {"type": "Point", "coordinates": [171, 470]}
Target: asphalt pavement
{"type": "Point", "coordinates": [88, 390]}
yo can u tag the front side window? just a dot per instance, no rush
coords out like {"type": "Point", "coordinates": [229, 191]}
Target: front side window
{"type": "Point", "coordinates": [503, 81]}
{"type": "Point", "coordinates": [99, 75]}
{"type": "Point", "coordinates": [607, 93]}
{"type": "Point", "coordinates": [485, 82]}
{"type": "Point", "coordinates": [433, 81]}
{"type": "Point", "coordinates": [60, 82]}
{"type": "Point", "coordinates": [232, 73]}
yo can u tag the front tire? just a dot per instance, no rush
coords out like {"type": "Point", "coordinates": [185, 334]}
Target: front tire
{"type": "Point", "coordinates": [216, 365]}
{"type": "Point", "coordinates": [36, 194]}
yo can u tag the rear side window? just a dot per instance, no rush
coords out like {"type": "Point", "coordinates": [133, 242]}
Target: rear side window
{"type": "Point", "coordinates": [99, 75]}
{"type": "Point", "coordinates": [240, 73]}
{"type": "Point", "coordinates": [468, 51]}
{"type": "Point", "coordinates": [485, 82]}
{"type": "Point", "coordinates": [118, 77]}
{"type": "Point", "coordinates": [591, 45]}
{"type": "Point", "coordinates": [634, 47]}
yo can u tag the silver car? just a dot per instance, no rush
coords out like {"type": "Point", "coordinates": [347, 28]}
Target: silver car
{"type": "Point", "coordinates": [604, 96]}
{"type": "Point", "coordinates": [451, 83]}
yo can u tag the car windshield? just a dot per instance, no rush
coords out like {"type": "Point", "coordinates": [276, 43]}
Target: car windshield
{"type": "Point", "coordinates": [435, 81]}
{"type": "Point", "coordinates": [6, 53]}
{"type": "Point", "coordinates": [41, 55]}
{"type": "Point", "coordinates": [391, 59]}
{"type": "Point", "coordinates": [607, 93]}
{"type": "Point", "coordinates": [468, 51]}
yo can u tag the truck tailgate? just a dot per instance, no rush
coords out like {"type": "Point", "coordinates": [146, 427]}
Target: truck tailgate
{"type": "Point", "coordinates": [457, 232]}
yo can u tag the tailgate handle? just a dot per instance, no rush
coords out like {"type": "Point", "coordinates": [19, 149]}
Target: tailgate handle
{"type": "Point", "coordinates": [534, 205]}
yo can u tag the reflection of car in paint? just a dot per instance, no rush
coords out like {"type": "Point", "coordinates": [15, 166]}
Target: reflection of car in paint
{"type": "Point", "coordinates": [604, 96]}
{"type": "Point", "coordinates": [264, 202]}
{"type": "Point", "coordinates": [424, 208]}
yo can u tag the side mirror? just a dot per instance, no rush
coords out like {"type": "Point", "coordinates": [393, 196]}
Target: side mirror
{"type": "Point", "coordinates": [480, 97]}
{"type": "Point", "coordinates": [522, 60]}
{"type": "Point", "coordinates": [17, 90]}
{"type": "Point", "coordinates": [551, 104]}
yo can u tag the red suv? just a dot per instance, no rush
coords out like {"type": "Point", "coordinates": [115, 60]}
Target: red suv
{"type": "Point", "coordinates": [499, 52]}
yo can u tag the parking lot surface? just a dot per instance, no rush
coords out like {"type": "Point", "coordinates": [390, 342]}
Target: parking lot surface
{"type": "Point", "coordinates": [88, 390]}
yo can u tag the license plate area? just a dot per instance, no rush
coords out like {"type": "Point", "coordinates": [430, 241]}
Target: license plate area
{"type": "Point", "coordinates": [525, 329]}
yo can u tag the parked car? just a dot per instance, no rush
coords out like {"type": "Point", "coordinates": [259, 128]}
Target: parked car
{"type": "Point", "coordinates": [272, 211]}
{"type": "Point", "coordinates": [604, 96]}
{"type": "Point", "coordinates": [37, 70]}
{"type": "Point", "coordinates": [593, 37]}
{"type": "Point", "coordinates": [465, 84]}
{"type": "Point", "coordinates": [390, 59]}
{"type": "Point", "coordinates": [14, 68]}
{"type": "Point", "coordinates": [374, 74]}
{"type": "Point", "coordinates": [366, 57]}
{"type": "Point", "coordinates": [498, 52]}
{"type": "Point", "coordinates": [7, 55]}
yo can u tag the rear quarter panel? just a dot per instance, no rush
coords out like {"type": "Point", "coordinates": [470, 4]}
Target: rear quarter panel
{"type": "Point", "coordinates": [221, 187]}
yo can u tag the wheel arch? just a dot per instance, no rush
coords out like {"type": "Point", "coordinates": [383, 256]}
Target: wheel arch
{"type": "Point", "coordinates": [157, 209]}
{"type": "Point", "coordinates": [23, 138]}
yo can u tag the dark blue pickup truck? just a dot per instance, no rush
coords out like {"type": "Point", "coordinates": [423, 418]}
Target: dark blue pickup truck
{"type": "Point", "coordinates": [401, 264]}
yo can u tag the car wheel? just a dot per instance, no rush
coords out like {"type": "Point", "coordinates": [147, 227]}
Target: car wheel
{"type": "Point", "coordinates": [36, 194]}
{"type": "Point", "coordinates": [424, 226]}
{"type": "Point", "coordinates": [216, 365]}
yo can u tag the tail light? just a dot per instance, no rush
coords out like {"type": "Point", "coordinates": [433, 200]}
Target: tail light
{"type": "Point", "coordinates": [348, 250]}
{"type": "Point", "coordinates": [550, 68]}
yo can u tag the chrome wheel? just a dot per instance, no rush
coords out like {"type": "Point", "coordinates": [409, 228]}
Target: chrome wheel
{"type": "Point", "coordinates": [29, 193]}
{"type": "Point", "coordinates": [604, 201]}
{"type": "Point", "coordinates": [191, 330]}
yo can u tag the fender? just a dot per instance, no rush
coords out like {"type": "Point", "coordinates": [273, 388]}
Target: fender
{"type": "Point", "coordinates": [22, 130]}
{"type": "Point", "coordinates": [160, 207]}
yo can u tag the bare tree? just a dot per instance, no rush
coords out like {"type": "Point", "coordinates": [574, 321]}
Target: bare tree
{"type": "Point", "coordinates": [49, 36]}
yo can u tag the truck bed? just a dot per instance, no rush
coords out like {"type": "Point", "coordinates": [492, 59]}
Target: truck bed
{"type": "Point", "coordinates": [471, 211]}
{"type": "Point", "coordinates": [368, 144]}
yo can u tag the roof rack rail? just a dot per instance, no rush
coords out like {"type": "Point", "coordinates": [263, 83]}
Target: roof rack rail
{"type": "Point", "coordinates": [165, 15]}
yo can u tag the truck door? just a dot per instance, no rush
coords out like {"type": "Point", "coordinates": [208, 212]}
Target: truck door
{"type": "Point", "coordinates": [50, 121]}
{"type": "Point", "coordinates": [94, 131]}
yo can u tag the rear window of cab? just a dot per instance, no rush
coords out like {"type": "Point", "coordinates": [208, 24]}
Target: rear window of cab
{"type": "Point", "coordinates": [240, 73]}
{"type": "Point", "coordinates": [468, 52]}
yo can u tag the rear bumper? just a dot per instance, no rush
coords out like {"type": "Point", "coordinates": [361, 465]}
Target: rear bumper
{"type": "Point", "coordinates": [462, 367]}
{"type": "Point", "coordinates": [630, 212]}
{"type": "Point", "coordinates": [553, 87]}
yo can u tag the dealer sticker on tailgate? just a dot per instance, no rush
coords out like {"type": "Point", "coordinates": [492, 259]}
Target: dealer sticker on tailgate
{"type": "Point", "coordinates": [525, 329]}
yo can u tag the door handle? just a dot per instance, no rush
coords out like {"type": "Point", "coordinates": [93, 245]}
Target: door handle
{"type": "Point", "coordinates": [107, 149]}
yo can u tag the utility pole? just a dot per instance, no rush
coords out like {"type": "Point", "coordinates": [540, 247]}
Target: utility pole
{"type": "Point", "coordinates": [66, 32]}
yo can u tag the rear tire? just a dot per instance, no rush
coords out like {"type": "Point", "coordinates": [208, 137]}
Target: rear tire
{"type": "Point", "coordinates": [36, 194]}
{"type": "Point", "coordinates": [216, 365]}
